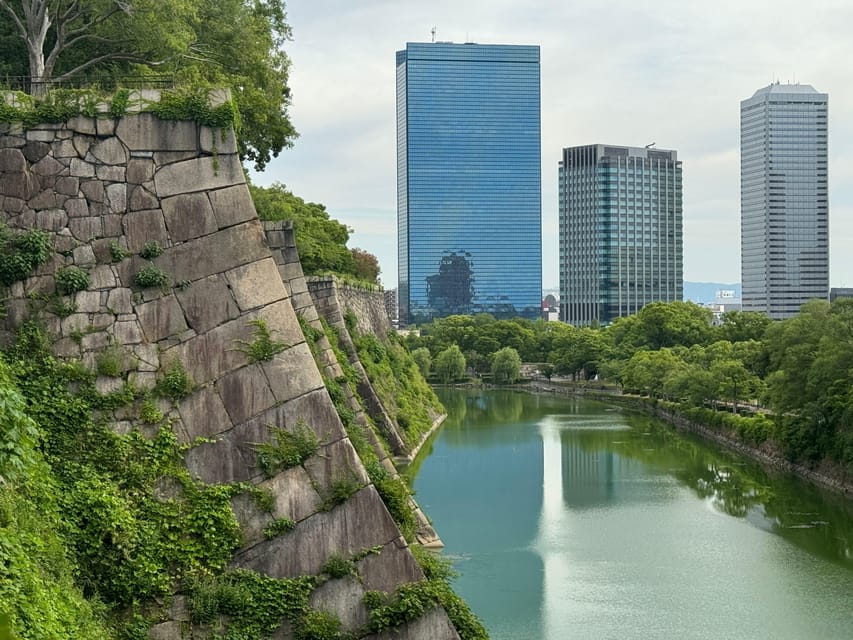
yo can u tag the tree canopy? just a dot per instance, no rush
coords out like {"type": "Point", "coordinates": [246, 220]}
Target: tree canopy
{"type": "Point", "coordinates": [320, 239]}
{"type": "Point", "coordinates": [231, 43]}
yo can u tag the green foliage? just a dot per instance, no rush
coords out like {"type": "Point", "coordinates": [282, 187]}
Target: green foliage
{"type": "Point", "coordinates": [151, 277]}
{"type": "Point", "coordinates": [450, 365]}
{"type": "Point", "coordinates": [253, 603]}
{"type": "Point", "coordinates": [398, 382]}
{"type": "Point", "coordinates": [149, 413]}
{"type": "Point", "coordinates": [110, 361]}
{"type": "Point", "coordinates": [72, 279]}
{"type": "Point", "coordinates": [397, 498]}
{"type": "Point", "coordinates": [122, 510]}
{"type": "Point", "coordinates": [175, 382]}
{"type": "Point", "coordinates": [277, 527]}
{"type": "Point", "coordinates": [318, 625]}
{"type": "Point", "coordinates": [118, 105]}
{"type": "Point", "coordinates": [262, 347]}
{"type": "Point", "coordinates": [338, 566]}
{"type": "Point", "coordinates": [506, 366]}
{"type": "Point", "coordinates": [320, 240]}
{"type": "Point", "coordinates": [341, 489]}
{"type": "Point", "coordinates": [63, 308]}
{"type": "Point", "coordinates": [151, 250]}
{"type": "Point", "coordinates": [18, 433]}
{"type": "Point", "coordinates": [21, 252]}
{"type": "Point", "coordinates": [286, 449]}
{"type": "Point", "coordinates": [194, 105]}
{"type": "Point", "coordinates": [423, 359]}
{"type": "Point", "coordinates": [118, 252]}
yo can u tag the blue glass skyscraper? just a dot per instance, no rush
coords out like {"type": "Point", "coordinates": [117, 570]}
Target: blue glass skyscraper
{"type": "Point", "coordinates": [469, 204]}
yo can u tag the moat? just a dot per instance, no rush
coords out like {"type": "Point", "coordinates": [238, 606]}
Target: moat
{"type": "Point", "coordinates": [570, 518]}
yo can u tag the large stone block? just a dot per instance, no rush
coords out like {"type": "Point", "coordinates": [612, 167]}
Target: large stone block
{"type": "Point", "coordinates": [256, 284]}
{"type": "Point", "coordinates": [217, 140]}
{"type": "Point", "coordinates": [198, 174]}
{"type": "Point", "coordinates": [109, 151]}
{"type": "Point", "coordinates": [140, 170]}
{"type": "Point", "coordinates": [344, 598]}
{"type": "Point", "coordinates": [12, 161]}
{"type": "Point", "coordinates": [120, 301]}
{"type": "Point", "coordinates": [82, 169]}
{"type": "Point", "coordinates": [188, 216]}
{"type": "Point", "coordinates": [93, 190]}
{"type": "Point", "coordinates": [334, 462]}
{"type": "Point", "coordinates": [48, 166]}
{"type": "Point", "coordinates": [145, 226]}
{"type": "Point", "coordinates": [289, 376]}
{"type": "Point", "coordinates": [360, 523]}
{"type": "Point", "coordinates": [203, 414]}
{"type": "Point", "coordinates": [281, 319]}
{"type": "Point", "coordinates": [35, 151]}
{"type": "Point", "coordinates": [67, 186]}
{"type": "Point", "coordinates": [76, 207]}
{"type": "Point", "coordinates": [391, 567]}
{"type": "Point", "coordinates": [211, 355]}
{"type": "Point", "coordinates": [146, 132]}
{"type": "Point", "coordinates": [161, 318]}
{"type": "Point", "coordinates": [245, 392]}
{"type": "Point", "coordinates": [208, 303]}
{"type": "Point", "coordinates": [109, 173]}
{"type": "Point", "coordinates": [432, 625]}
{"type": "Point", "coordinates": [117, 198]}
{"type": "Point", "coordinates": [51, 220]}
{"type": "Point", "coordinates": [142, 198]}
{"type": "Point", "coordinates": [232, 205]}
{"type": "Point", "coordinates": [215, 253]}
{"type": "Point", "coordinates": [218, 462]}
{"type": "Point", "coordinates": [85, 229]}
{"type": "Point", "coordinates": [22, 186]}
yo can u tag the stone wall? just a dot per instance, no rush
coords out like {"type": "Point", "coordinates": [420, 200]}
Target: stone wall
{"type": "Point", "coordinates": [103, 187]}
{"type": "Point", "coordinates": [282, 242]}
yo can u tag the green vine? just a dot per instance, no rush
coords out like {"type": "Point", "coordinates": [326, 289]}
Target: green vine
{"type": "Point", "coordinates": [21, 253]}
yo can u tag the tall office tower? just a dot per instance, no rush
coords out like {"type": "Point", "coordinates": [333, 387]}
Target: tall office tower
{"type": "Point", "coordinates": [783, 199]}
{"type": "Point", "coordinates": [469, 203]}
{"type": "Point", "coordinates": [620, 231]}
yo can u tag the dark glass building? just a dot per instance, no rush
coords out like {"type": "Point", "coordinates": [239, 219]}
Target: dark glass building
{"type": "Point", "coordinates": [621, 244]}
{"type": "Point", "coordinates": [469, 204]}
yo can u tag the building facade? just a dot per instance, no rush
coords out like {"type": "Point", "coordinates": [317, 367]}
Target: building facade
{"type": "Point", "coordinates": [620, 217]}
{"type": "Point", "coordinates": [469, 204]}
{"type": "Point", "coordinates": [784, 204]}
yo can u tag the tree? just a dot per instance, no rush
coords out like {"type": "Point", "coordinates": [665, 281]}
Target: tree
{"type": "Point", "coordinates": [664, 324]}
{"type": "Point", "coordinates": [366, 265]}
{"type": "Point", "coordinates": [231, 43]}
{"type": "Point", "coordinates": [506, 366]}
{"type": "Point", "coordinates": [423, 359]}
{"type": "Point", "coordinates": [320, 239]}
{"type": "Point", "coordinates": [450, 365]}
{"type": "Point", "coordinates": [739, 326]}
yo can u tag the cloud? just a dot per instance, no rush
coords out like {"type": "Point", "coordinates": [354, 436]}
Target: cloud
{"type": "Point", "coordinates": [613, 71]}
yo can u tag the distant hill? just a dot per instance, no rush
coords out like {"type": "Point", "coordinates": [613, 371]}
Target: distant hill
{"type": "Point", "coordinates": [707, 291]}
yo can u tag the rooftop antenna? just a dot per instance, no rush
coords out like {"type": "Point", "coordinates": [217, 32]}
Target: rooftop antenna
{"type": "Point", "coordinates": [650, 145]}
{"type": "Point", "coordinates": [432, 31]}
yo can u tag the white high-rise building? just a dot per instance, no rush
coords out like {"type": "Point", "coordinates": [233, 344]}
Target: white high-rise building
{"type": "Point", "coordinates": [784, 208]}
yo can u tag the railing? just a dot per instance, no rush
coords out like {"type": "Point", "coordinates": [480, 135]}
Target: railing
{"type": "Point", "coordinates": [107, 83]}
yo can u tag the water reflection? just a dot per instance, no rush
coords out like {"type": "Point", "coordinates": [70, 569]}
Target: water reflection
{"type": "Point", "coordinates": [570, 518]}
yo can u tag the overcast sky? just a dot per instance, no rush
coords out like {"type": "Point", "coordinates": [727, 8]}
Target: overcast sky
{"type": "Point", "coordinates": [626, 72]}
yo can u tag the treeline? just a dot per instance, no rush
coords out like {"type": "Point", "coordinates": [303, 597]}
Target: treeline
{"type": "Point", "coordinates": [320, 239]}
{"type": "Point", "coordinates": [789, 381]}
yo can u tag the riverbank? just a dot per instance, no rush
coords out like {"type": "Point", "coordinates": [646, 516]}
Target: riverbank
{"type": "Point", "coordinates": [827, 474]}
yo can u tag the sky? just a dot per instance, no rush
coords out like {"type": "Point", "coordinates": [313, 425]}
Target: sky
{"type": "Point", "coordinates": [623, 72]}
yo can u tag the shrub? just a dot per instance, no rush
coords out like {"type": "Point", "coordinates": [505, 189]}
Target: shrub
{"type": "Point", "coordinates": [151, 277]}
{"type": "Point", "coordinates": [262, 347]}
{"type": "Point", "coordinates": [319, 625]}
{"type": "Point", "coordinates": [71, 279]}
{"type": "Point", "coordinates": [149, 413]}
{"type": "Point", "coordinates": [277, 527]}
{"type": "Point", "coordinates": [286, 449]}
{"type": "Point", "coordinates": [341, 490]}
{"type": "Point", "coordinates": [110, 361]}
{"type": "Point", "coordinates": [151, 250]}
{"type": "Point", "coordinates": [338, 566]}
{"type": "Point", "coordinates": [175, 382]}
{"type": "Point", "coordinates": [21, 253]}
{"type": "Point", "coordinates": [117, 252]}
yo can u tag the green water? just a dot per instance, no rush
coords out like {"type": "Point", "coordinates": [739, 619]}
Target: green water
{"type": "Point", "coordinates": [573, 519]}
